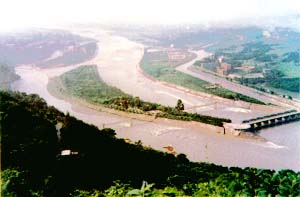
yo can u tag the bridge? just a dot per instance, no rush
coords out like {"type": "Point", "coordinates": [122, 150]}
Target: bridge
{"type": "Point", "coordinates": [269, 120]}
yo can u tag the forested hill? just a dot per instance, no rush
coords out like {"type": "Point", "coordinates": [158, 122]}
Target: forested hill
{"type": "Point", "coordinates": [7, 76]}
{"type": "Point", "coordinates": [32, 164]}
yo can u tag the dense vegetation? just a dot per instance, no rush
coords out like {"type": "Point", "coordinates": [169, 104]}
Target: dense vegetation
{"type": "Point", "coordinates": [291, 84]}
{"type": "Point", "coordinates": [163, 72]}
{"type": "Point", "coordinates": [274, 78]}
{"type": "Point", "coordinates": [85, 83]}
{"type": "Point", "coordinates": [283, 68]}
{"type": "Point", "coordinates": [32, 164]}
{"type": "Point", "coordinates": [291, 57]}
{"type": "Point", "coordinates": [7, 76]}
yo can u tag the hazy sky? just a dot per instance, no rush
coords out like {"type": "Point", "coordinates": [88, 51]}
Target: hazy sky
{"type": "Point", "coordinates": [22, 13]}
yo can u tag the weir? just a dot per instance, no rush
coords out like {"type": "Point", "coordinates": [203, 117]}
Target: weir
{"type": "Point", "coordinates": [270, 120]}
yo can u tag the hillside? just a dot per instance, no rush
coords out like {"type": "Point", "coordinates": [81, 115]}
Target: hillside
{"type": "Point", "coordinates": [7, 76]}
{"type": "Point", "coordinates": [32, 163]}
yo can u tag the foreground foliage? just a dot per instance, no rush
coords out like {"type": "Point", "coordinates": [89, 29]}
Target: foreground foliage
{"type": "Point", "coordinates": [32, 164]}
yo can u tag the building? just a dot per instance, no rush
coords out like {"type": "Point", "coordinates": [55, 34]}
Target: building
{"type": "Point", "coordinates": [176, 55]}
{"type": "Point", "coordinates": [245, 68]}
{"type": "Point", "coordinates": [226, 66]}
{"type": "Point", "coordinates": [221, 71]}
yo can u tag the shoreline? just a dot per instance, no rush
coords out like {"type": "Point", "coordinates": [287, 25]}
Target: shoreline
{"type": "Point", "coordinates": [200, 145]}
{"type": "Point", "coordinates": [148, 118]}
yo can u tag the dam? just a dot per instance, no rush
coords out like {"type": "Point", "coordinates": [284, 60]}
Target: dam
{"type": "Point", "coordinates": [266, 121]}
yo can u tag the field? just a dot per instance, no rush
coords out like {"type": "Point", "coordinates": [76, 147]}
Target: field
{"type": "Point", "coordinates": [155, 65]}
{"type": "Point", "coordinates": [84, 82]}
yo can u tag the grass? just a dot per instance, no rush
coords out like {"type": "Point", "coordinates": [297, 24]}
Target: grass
{"type": "Point", "coordinates": [85, 83]}
{"type": "Point", "coordinates": [163, 72]}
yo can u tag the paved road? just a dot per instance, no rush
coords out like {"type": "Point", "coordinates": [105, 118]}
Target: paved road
{"type": "Point", "coordinates": [281, 151]}
{"type": "Point", "coordinates": [118, 65]}
{"type": "Point", "coordinates": [188, 68]}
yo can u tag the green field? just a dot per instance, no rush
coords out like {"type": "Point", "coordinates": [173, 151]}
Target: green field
{"type": "Point", "coordinates": [159, 69]}
{"type": "Point", "coordinates": [85, 83]}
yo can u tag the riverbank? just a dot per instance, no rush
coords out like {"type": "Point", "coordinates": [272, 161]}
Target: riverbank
{"type": "Point", "coordinates": [199, 144]}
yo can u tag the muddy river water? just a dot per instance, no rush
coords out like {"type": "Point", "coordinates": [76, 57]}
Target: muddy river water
{"type": "Point", "coordinates": [280, 150]}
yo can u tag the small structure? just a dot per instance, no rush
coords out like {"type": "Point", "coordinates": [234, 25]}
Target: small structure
{"type": "Point", "coordinates": [225, 66]}
{"type": "Point", "coordinates": [268, 121]}
{"type": "Point", "coordinates": [68, 152]}
{"type": "Point", "coordinates": [245, 68]}
{"type": "Point", "coordinates": [223, 69]}
{"type": "Point", "coordinates": [234, 76]}
{"type": "Point", "coordinates": [176, 55]}
{"type": "Point", "coordinates": [170, 149]}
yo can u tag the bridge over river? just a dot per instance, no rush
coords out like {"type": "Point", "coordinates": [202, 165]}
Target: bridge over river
{"type": "Point", "coordinates": [269, 120]}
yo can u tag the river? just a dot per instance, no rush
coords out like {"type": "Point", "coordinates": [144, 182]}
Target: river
{"type": "Point", "coordinates": [282, 149]}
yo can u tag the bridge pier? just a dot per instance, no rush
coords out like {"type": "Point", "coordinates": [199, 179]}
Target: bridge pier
{"type": "Point", "coordinates": [265, 123]}
{"type": "Point", "coordinates": [272, 120]}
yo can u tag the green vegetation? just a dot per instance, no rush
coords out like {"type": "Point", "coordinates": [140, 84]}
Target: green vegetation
{"type": "Point", "coordinates": [166, 73]}
{"type": "Point", "coordinates": [292, 57]}
{"type": "Point", "coordinates": [284, 70]}
{"type": "Point", "coordinates": [274, 78]}
{"type": "Point", "coordinates": [85, 83]}
{"type": "Point", "coordinates": [257, 51]}
{"type": "Point", "coordinates": [103, 165]}
{"type": "Point", "coordinates": [291, 84]}
{"type": "Point", "coordinates": [289, 70]}
{"type": "Point", "coordinates": [7, 76]}
{"type": "Point", "coordinates": [179, 106]}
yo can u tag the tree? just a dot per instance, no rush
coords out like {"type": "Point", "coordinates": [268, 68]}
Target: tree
{"type": "Point", "coordinates": [179, 106]}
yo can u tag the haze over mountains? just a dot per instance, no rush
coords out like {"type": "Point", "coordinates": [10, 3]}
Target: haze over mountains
{"type": "Point", "coordinates": [209, 13]}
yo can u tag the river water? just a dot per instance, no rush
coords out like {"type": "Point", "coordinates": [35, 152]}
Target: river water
{"type": "Point", "coordinates": [282, 149]}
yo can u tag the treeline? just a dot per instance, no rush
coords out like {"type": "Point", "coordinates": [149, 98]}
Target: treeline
{"type": "Point", "coordinates": [292, 57]}
{"type": "Point", "coordinates": [135, 105]}
{"type": "Point", "coordinates": [163, 72]}
{"type": "Point", "coordinates": [290, 84]}
{"type": "Point", "coordinates": [32, 164]}
{"type": "Point", "coordinates": [85, 83]}
{"type": "Point", "coordinates": [7, 76]}
{"type": "Point", "coordinates": [276, 79]}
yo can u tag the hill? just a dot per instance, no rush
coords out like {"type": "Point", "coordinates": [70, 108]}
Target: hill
{"type": "Point", "coordinates": [48, 153]}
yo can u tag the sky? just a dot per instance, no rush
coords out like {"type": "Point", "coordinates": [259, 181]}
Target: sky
{"type": "Point", "coordinates": [17, 14]}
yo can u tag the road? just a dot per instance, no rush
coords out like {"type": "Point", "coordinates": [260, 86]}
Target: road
{"type": "Point", "coordinates": [118, 65]}
{"type": "Point", "coordinates": [199, 144]}
{"type": "Point", "coordinates": [188, 68]}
